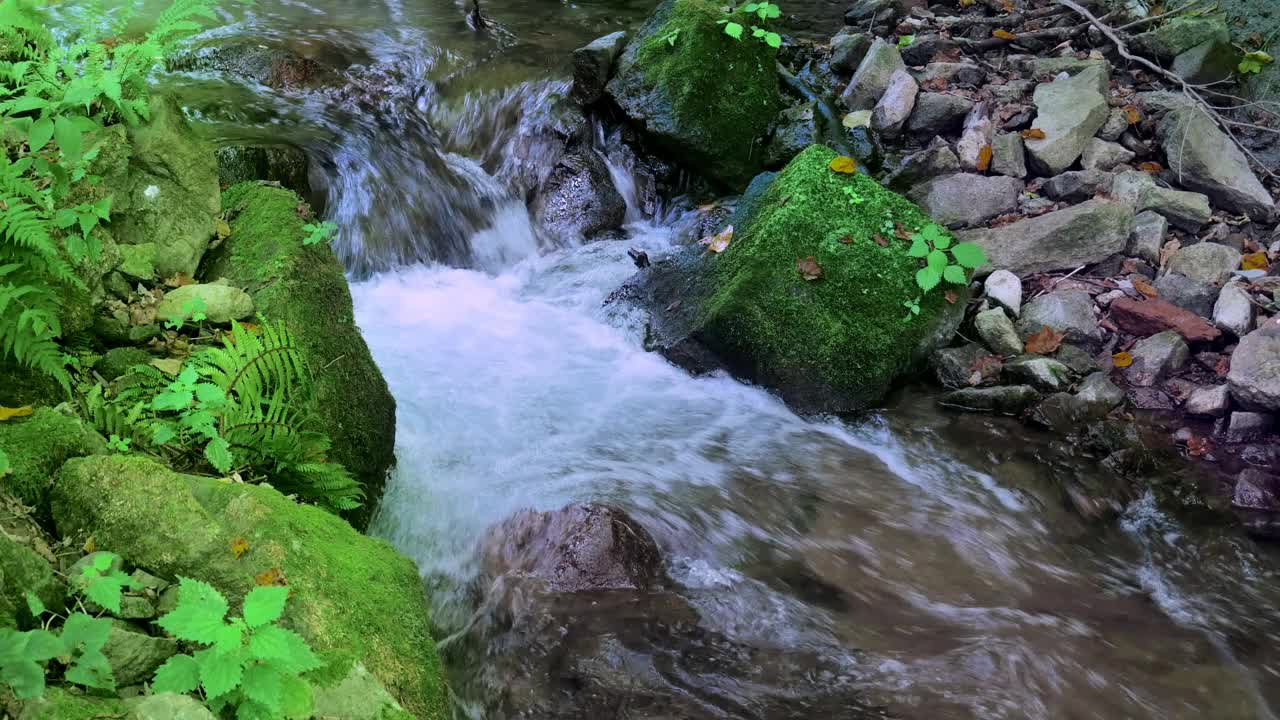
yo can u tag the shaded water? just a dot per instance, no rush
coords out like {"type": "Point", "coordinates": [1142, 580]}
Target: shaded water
{"type": "Point", "coordinates": [911, 560]}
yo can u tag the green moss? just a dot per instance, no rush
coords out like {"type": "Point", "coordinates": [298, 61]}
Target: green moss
{"type": "Point", "coordinates": [23, 571]}
{"type": "Point", "coordinates": [117, 361]}
{"type": "Point", "coordinates": [842, 339]}
{"type": "Point", "coordinates": [37, 446]}
{"type": "Point", "coordinates": [304, 286]}
{"type": "Point", "coordinates": [23, 386]}
{"type": "Point", "coordinates": [60, 704]}
{"type": "Point", "coordinates": [354, 598]}
{"type": "Point", "coordinates": [706, 96]}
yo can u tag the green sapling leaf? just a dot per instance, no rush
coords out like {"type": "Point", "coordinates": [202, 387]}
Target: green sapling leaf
{"type": "Point", "coordinates": [264, 605]}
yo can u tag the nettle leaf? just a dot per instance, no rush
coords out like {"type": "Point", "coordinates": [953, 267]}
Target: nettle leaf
{"type": "Point", "coordinates": [773, 40]}
{"type": "Point", "coordinates": [84, 632]}
{"type": "Point", "coordinates": [179, 674]}
{"type": "Point", "coordinates": [969, 255]}
{"type": "Point", "coordinates": [295, 698]}
{"type": "Point", "coordinates": [220, 672]}
{"type": "Point", "coordinates": [955, 275]}
{"type": "Point", "coordinates": [24, 677]}
{"type": "Point", "coordinates": [733, 30]}
{"type": "Point", "coordinates": [43, 645]}
{"type": "Point", "coordinates": [200, 613]}
{"type": "Point", "coordinates": [68, 137]}
{"type": "Point", "coordinates": [919, 248]}
{"type": "Point", "coordinates": [942, 243]}
{"type": "Point", "coordinates": [105, 590]}
{"type": "Point", "coordinates": [263, 684]}
{"type": "Point", "coordinates": [937, 261]}
{"type": "Point", "coordinates": [92, 669]}
{"type": "Point", "coordinates": [218, 453]}
{"type": "Point", "coordinates": [286, 649]}
{"type": "Point", "coordinates": [35, 605]}
{"type": "Point", "coordinates": [928, 279]}
{"type": "Point", "coordinates": [264, 605]}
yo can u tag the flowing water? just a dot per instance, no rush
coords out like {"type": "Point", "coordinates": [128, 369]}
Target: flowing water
{"type": "Point", "coordinates": [911, 562]}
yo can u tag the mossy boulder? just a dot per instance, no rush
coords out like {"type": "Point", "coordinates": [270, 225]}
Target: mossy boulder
{"type": "Point", "coordinates": [37, 446]}
{"type": "Point", "coordinates": [304, 286]}
{"type": "Point", "coordinates": [831, 344]}
{"type": "Point", "coordinates": [62, 704]}
{"type": "Point", "coordinates": [117, 361]}
{"type": "Point", "coordinates": [701, 95]}
{"type": "Point", "coordinates": [22, 571]}
{"type": "Point", "coordinates": [355, 599]}
{"type": "Point", "coordinates": [21, 385]}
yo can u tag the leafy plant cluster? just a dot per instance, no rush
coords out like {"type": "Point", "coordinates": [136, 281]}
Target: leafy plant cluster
{"type": "Point", "coordinates": [765, 11]}
{"type": "Point", "coordinates": [943, 259]}
{"type": "Point", "coordinates": [53, 100]}
{"type": "Point", "coordinates": [242, 407]}
{"type": "Point", "coordinates": [319, 232]}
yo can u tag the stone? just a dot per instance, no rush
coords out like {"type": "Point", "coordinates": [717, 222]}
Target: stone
{"type": "Point", "coordinates": [60, 704]}
{"type": "Point", "coordinates": [579, 199]}
{"type": "Point", "coordinates": [1078, 185]}
{"type": "Point", "coordinates": [967, 199]}
{"type": "Point", "coordinates": [1233, 312]}
{"type": "Point", "coordinates": [1255, 369]}
{"type": "Point", "coordinates": [1194, 295]}
{"type": "Point", "coordinates": [1256, 500]}
{"type": "Point", "coordinates": [1246, 426]}
{"type": "Point", "coordinates": [934, 161]}
{"type": "Point", "coordinates": [593, 66]}
{"type": "Point", "coordinates": [1085, 234]}
{"type": "Point", "coordinates": [1074, 67]}
{"type": "Point", "coordinates": [926, 47]}
{"type": "Point", "coordinates": [1009, 155]}
{"type": "Point", "coordinates": [134, 656]}
{"type": "Point", "coordinates": [1104, 156]}
{"type": "Point", "coordinates": [997, 332]}
{"type": "Point", "coordinates": [1042, 373]}
{"type": "Point", "coordinates": [168, 706]}
{"type": "Point", "coordinates": [359, 696]}
{"type": "Point", "coordinates": [1070, 112]}
{"type": "Point", "coordinates": [1147, 239]}
{"type": "Point", "coordinates": [895, 105]}
{"type": "Point", "coordinates": [1205, 262]}
{"type": "Point", "coordinates": [1211, 401]}
{"type": "Point", "coordinates": [1005, 290]}
{"type": "Point", "coordinates": [1180, 34]}
{"type": "Point", "coordinates": [1187, 210]}
{"type": "Point", "coordinates": [978, 134]}
{"type": "Point", "coordinates": [1115, 126]}
{"type": "Point", "coordinates": [1004, 400]}
{"type": "Point", "coordinates": [938, 113]}
{"type": "Point", "coordinates": [1204, 159]}
{"type": "Point", "coordinates": [284, 164]}
{"type": "Point", "coordinates": [1152, 316]}
{"type": "Point", "coordinates": [354, 598]}
{"type": "Point", "coordinates": [953, 73]}
{"type": "Point", "coordinates": [22, 570]}
{"type": "Point", "coordinates": [137, 262]}
{"type": "Point", "coordinates": [954, 366]}
{"type": "Point", "coordinates": [117, 361]}
{"type": "Point", "coordinates": [847, 51]}
{"type": "Point", "coordinates": [1077, 358]}
{"type": "Point", "coordinates": [1013, 91]}
{"type": "Point", "coordinates": [677, 96]}
{"type": "Point", "coordinates": [873, 75]}
{"type": "Point", "coordinates": [872, 12]}
{"type": "Point", "coordinates": [1212, 61]}
{"type": "Point", "coordinates": [1156, 357]}
{"type": "Point", "coordinates": [37, 446]}
{"type": "Point", "coordinates": [1065, 311]}
{"type": "Point", "coordinates": [1099, 395]}
{"type": "Point", "coordinates": [220, 304]}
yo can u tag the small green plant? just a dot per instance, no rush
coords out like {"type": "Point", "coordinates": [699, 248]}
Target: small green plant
{"type": "Point", "coordinates": [4, 464]}
{"type": "Point", "coordinates": [854, 196]}
{"type": "Point", "coordinates": [118, 444]}
{"type": "Point", "coordinates": [249, 663]}
{"type": "Point", "coordinates": [671, 37]}
{"type": "Point", "coordinates": [943, 259]}
{"type": "Point", "coordinates": [1252, 63]}
{"type": "Point", "coordinates": [912, 306]}
{"type": "Point", "coordinates": [319, 232]}
{"type": "Point", "coordinates": [102, 583]}
{"type": "Point", "coordinates": [192, 310]}
{"type": "Point", "coordinates": [765, 11]}
{"type": "Point", "coordinates": [905, 41]}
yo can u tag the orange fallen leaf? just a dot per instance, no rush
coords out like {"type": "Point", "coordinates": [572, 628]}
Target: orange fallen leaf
{"type": "Point", "coordinates": [984, 368]}
{"type": "Point", "coordinates": [719, 242]}
{"type": "Point", "coordinates": [843, 164]}
{"type": "Point", "coordinates": [1223, 366]}
{"type": "Point", "coordinates": [901, 232]}
{"type": "Point", "coordinates": [1003, 35]}
{"type": "Point", "coordinates": [1122, 360]}
{"type": "Point", "coordinates": [951, 297]}
{"type": "Point", "coordinates": [1033, 134]}
{"type": "Point", "coordinates": [1145, 288]}
{"type": "Point", "coordinates": [809, 268]}
{"type": "Point", "coordinates": [239, 547]}
{"type": "Point", "coordinates": [1198, 446]}
{"type": "Point", "coordinates": [1151, 167]}
{"type": "Point", "coordinates": [1255, 261]}
{"type": "Point", "coordinates": [1045, 342]}
{"type": "Point", "coordinates": [7, 413]}
{"type": "Point", "coordinates": [984, 158]}
{"type": "Point", "coordinates": [179, 280]}
{"type": "Point", "coordinates": [270, 577]}
{"type": "Point", "coordinates": [1007, 5]}
{"type": "Point", "coordinates": [1132, 114]}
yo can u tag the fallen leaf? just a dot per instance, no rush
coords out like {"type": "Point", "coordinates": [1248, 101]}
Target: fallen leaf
{"type": "Point", "coordinates": [1223, 366]}
{"type": "Point", "coordinates": [1145, 287]}
{"type": "Point", "coordinates": [269, 577]}
{"type": "Point", "coordinates": [901, 232]}
{"type": "Point", "coordinates": [168, 366]}
{"type": "Point", "coordinates": [1151, 167]}
{"type": "Point", "coordinates": [984, 158]}
{"type": "Point", "coordinates": [239, 547]}
{"type": "Point", "coordinates": [950, 296]}
{"type": "Point", "coordinates": [1033, 134]}
{"type": "Point", "coordinates": [1122, 359]}
{"type": "Point", "coordinates": [1132, 114]}
{"type": "Point", "coordinates": [1198, 446]}
{"type": "Point", "coordinates": [1007, 5]}
{"type": "Point", "coordinates": [223, 230]}
{"type": "Point", "coordinates": [881, 240]}
{"type": "Point", "coordinates": [843, 164]}
{"type": "Point", "coordinates": [857, 119]}
{"type": "Point", "coordinates": [179, 280]}
{"type": "Point", "coordinates": [985, 367]}
{"type": "Point", "coordinates": [967, 3]}
{"type": "Point", "coordinates": [1168, 250]}
{"type": "Point", "coordinates": [1003, 35]}
{"type": "Point", "coordinates": [846, 240]}
{"type": "Point", "coordinates": [10, 413]}
{"type": "Point", "coordinates": [935, 84]}
{"type": "Point", "coordinates": [1045, 342]}
{"type": "Point", "coordinates": [719, 242]}
{"type": "Point", "coordinates": [1254, 261]}
{"type": "Point", "coordinates": [90, 545]}
{"type": "Point", "coordinates": [809, 268]}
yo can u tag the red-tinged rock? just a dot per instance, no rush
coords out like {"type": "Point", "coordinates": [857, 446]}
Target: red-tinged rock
{"type": "Point", "coordinates": [1150, 317]}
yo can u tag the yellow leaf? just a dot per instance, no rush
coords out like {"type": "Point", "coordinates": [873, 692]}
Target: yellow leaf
{"type": "Point", "coordinates": [239, 547]}
{"type": "Point", "coordinates": [223, 229]}
{"type": "Point", "coordinates": [1122, 359]}
{"type": "Point", "coordinates": [861, 118]}
{"type": "Point", "coordinates": [1253, 261]}
{"type": "Point", "coordinates": [984, 158]}
{"type": "Point", "coordinates": [90, 545]}
{"type": "Point", "coordinates": [719, 242]}
{"type": "Point", "coordinates": [1145, 287]}
{"type": "Point", "coordinates": [9, 413]}
{"type": "Point", "coordinates": [843, 164]}
{"type": "Point", "coordinates": [270, 577]}
{"type": "Point", "coordinates": [1132, 114]}
{"type": "Point", "coordinates": [1033, 134]}
{"type": "Point", "coordinates": [1003, 35]}
{"type": "Point", "coordinates": [168, 366]}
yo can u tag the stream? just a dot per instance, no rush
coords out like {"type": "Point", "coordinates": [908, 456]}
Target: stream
{"type": "Point", "coordinates": [912, 563]}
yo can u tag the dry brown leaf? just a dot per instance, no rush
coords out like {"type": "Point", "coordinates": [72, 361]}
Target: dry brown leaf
{"type": "Point", "coordinates": [901, 232]}
{"type": "Point", "coordinates": [843, 164]}
{"type": "Point", "coordinates": [1007, 5]}
{"type": "Point", "coordinates": [179, 280]}
{"type": "Point", "coordinates": [1223, 366]}
{"type": "Point", "coordinates": [1045, 342]}
{"type": "Point", "coordinates": [984, 158]}
{"type": "Point", "coordinates": [1151, 167]}
{"type": "Point", "coordinates": [809, 268]}
{"type": "Point", "coordinates": [239, 547]}
{"type": "Point", "coordinates": [846, 239]}
{"type": "Point", "coordinates": [1122, 359]}
{"type": "Point", "coordinates": [270, 577]}
{"type": "Point", "coordinates": [1132, 114]}
{"type": "Point", "coordinates": [935, 84]}
{"type": "Point", "coordinates": [7, 413]}
{"type": "Point", "coordinates": [719, 242]}
{"type": "Point", "coordinates": [1198, 446]}
{"type": "Point", "coordinates": [1033, 134]}
{"type": "Point", "coordinates": [1255, 261]}
{"type": "Point", "coordinates": [1145, 287]}
{"type": "Point", "coordinates": [950, 296]}
{"type": "Point", "coordinates": [985, 367]}
{"type": "Point", "coordinates": [1168, 250]}
{"type": "Point", "coordinates": [1003, 35]}
{"type": "Point", "coordinates": [880, 240]}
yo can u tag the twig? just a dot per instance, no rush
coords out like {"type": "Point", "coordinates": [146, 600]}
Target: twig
{"type": "Point", "coordinates": [1153, 18]}
{"type": "Point", "coordinates": [991, 43]}
{"type": "Point", "coordinates": [1010, 20]}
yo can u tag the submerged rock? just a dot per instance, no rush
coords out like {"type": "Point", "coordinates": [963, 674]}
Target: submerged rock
{"type": "Point", "coordinates": [579, 199]}
{"type": "Point", "coordinates": [1256, 501]}
{"type": "Point", "coordinates": [1005, 400]}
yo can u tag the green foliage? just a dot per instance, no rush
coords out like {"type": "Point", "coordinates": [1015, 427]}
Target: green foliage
{"type": "Point", "coordinates": [670, 38]}
{"type": "Point", "coordinates": [193, 310]}
{"type": "Point", "coordinates": [4, 463]}
{"type": "Point", "coordinates": [323, 232]}
{"type": "Point", "coordinates": [905, 41]}
{"type": "Point", "coordinates": [1252, 63]}
{"type": "Point", "coordinates": [249, 663]}
{"type": "Point", "coordinates": [763, 10]}
{"type": "Point", "coordinates": [102, 584]}
{"type": "Point", "coordinates": [933, 245]}
{"type": "Point", "coordinates": [55, 97]}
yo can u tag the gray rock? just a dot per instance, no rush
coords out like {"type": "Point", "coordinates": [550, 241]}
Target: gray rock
{"type": "Point", "coordinates": [1066, 311]}
{"type": "Point", "coordinates": [168, 706]}
{"type": "Point", "coordinates": [1012, 91]}
{"type": "Point", "coordinates": [1006, 400]}
{"type": "Point", "coordinates": [1078, 185]}
{"type": "Point", "coordinates": [1246, 426]}
{"type": "Point", "coordinates": [873, 75]}
{"type": "Point", "coordinates": [938, 113]}
{"type": "Point", "coordinates": [285, 164]}
{"type": "Point", "coordinates": [1209, 401]}
{"type": "Point", "coordinates": [1234, 310]}
{"type": "Point", "coordinates": [1009, 155]}
{"type": "Point", "coordinates": [926, 47]}
{"type": "Point", "coordinates": [1204, 159]}
{"type": "Point", "coordinates": [1102, 155]}
{"type": "Point", "coordinates": [1209, 62]}
{"type": "Point", "coordinates": [1005, 290]}
{"type": "Point", "coordinates": [1073, 67]}
{"type": "Point", "coordinates": [895, 105]}
{"type": "Point", "coordinates": [871, 12]}
{"type": "Point", "coordinates": [1179, 34]}
{"type": "Point", "coordinates": [1187, 210]}
{"type": "Point", "coordinates": [954, 366]}
{"type": "Point", "coordinates": [1117, 122]}
{"type": "Point", "coordinates": [967, 199]}
{"type": "Point", "coordinates": [1160, 102]}
{"type": "Point", "coordinates": [1256, 501]}
{"type": "Point", "coordinates": [593, 66]}
{"type": "Point", "coordinates": [134, 656]}
{"type": "Point", "coordinates": [1205, 262]}
{"type": "Point", "coordinates": [1194, 295]}
{"type": "Point", "coordinates": [997, 332]}
{"type": "Point", "coordinates": [1070, 112]}
{"type": "Point", "coordinates": [795, 129]}
{"type": "Point", "coordinates": [1076, 358]}
{"type": "Point", "coordinates": [1149, 232]}
{"type": "Point", "coordinates": [961, 73]}
{"type": "Point", "coordinates": [1255, 369]}
{"type": "Point", "coordinates": [1099, 394]}
{"type": "Point", "coordinates": [579, 198]}
{"type": "Point", "coordinates": [934, 161]}
{"type": "Point", "coordinates": [978, 133]}
{"type": "Point", "coordinates": [1085, 234]}
{"type": "Point", "coordinates": [1042, 373]}
{"type": "Point", "coordinates": [847, 51]}
{"type": "Point", "coordinates": [221, 303]}
{"type": "Point", "coordinates": [1156, 357]}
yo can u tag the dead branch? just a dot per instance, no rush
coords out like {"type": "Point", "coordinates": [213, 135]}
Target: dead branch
{"type": "Point", "coordinates": [992, 43]}
{"type": "Point", "coordinates": [1015, 19]}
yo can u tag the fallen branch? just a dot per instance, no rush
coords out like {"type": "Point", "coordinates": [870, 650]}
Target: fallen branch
{"type": "Point", "coordinates": [992, 43]}
{"type": "Point", "coordinates": [963, 22]}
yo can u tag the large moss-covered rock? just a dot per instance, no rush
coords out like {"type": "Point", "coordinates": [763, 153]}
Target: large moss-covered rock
{"type": "Point", "coordinates": [37, 446]}
{"type": "Point", "coordinates": [61, 704]}
{"type": "Point", "coordinates": [304, 286]}
{"type": "Point", "coordinates": [704, 97]}
{"type": "Point", "coordinates": [22, 571]}
{"type": "Point", "coordinates": [832, 344]}
{"type": "Point", "coordinates": [23, 386]}
{"type": "Point", "coordinates": [353, 597]}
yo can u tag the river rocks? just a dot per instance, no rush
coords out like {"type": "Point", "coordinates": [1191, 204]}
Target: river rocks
{"type": "Point", "coordinates": [1211, 401]}
{"type": "Point", "coordinates": [23, 571]}
{"type": "Point", "coordinates": [134, 655]}
{"type": "Point", "coordinates": [1004, 400]}
{"type": "Point", "coordinates": [847, 51]}
{"type": "Point", "coordinates": [1042, 373]}
{"type": "Point", "coordinates": [305, 287]}
{"type": "Point", "coordinates": [1149, 317]}
{"type": "Point", "coordinates": [1256, 500]}
{"type": "Point", "coordinates": [1205, 262]}
{"type": "Point", "coordinates": [1009, 155]}
{"type": "Point", "coordinates": [936, 160]}
{"type": "Point", "coordinates": [37, 446]}
{"type": "Point", "coordinates": [1065, 311]}
{"type": "Point", "coordinates": [1154, 358]}
{"type": "Point", "coordinates": [685, 98]}
{"type": "Point", "coordinates": [955, 366]}
{"type": "Point", "coordinates": [352, 597]}
{"type": "Point", "coordinates": [873, 76]}
{"type": "Point", "coordinates": [1234, 310]}
{"type": "Point", "coordinates": [795, 129]}
{"type": "Point", "coordinates": [1099, 395]}
{"type": "Point", "coordinates": [1062, 240]}
{"type": "Point", "coordinates": [953, 73]}
{"type": "Point", "coordinates": [579, 548]}
{"type": "Point", "coordinates": [1255, 369]}
{"type": "Point", "coordinates": [979, 132]}
{"type": "Point", "coordinates": [895, 105]}
{"type": "Point", "coordinates": [1189, 211]}
{"type": "Point", "coordinates": [1212, 61]}
{"type": "Point", "coordinates": [1180, 34]}
{"type": "Point", "coordinates": [1149, 232]}
{"type": "Point", "coordinates": [1194, 295]}
{"type": "Point", "coordinates": [285, 164]}
{"type": "Point", "coordinates": [1103, 156]}
{"type": "Point", "coordinates": [1078, 186]}
{"type": "Point", "coordinates": [966, 198]}
{"type": "Point", "coordinates": [579, 199]}
{"type": "Point", "coordinates": [168, 706]}
{"type": "Point", "coordinates": [593, 66]}
{"type": "Point", "coordinates": [137, 262]}
{"type": "Point", "coordinates": [220, 304]}
{"type": "Point", "coordinates": [1245, 426]}
{"type": "Point", "coordinates": [1070, 112]}
{"type": "Point", "coordinates": [1204, 159]}
{"type": "Point", "coordinates": [997, 332]}
{"type": "Point", "coordinates": [1004, 289]}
